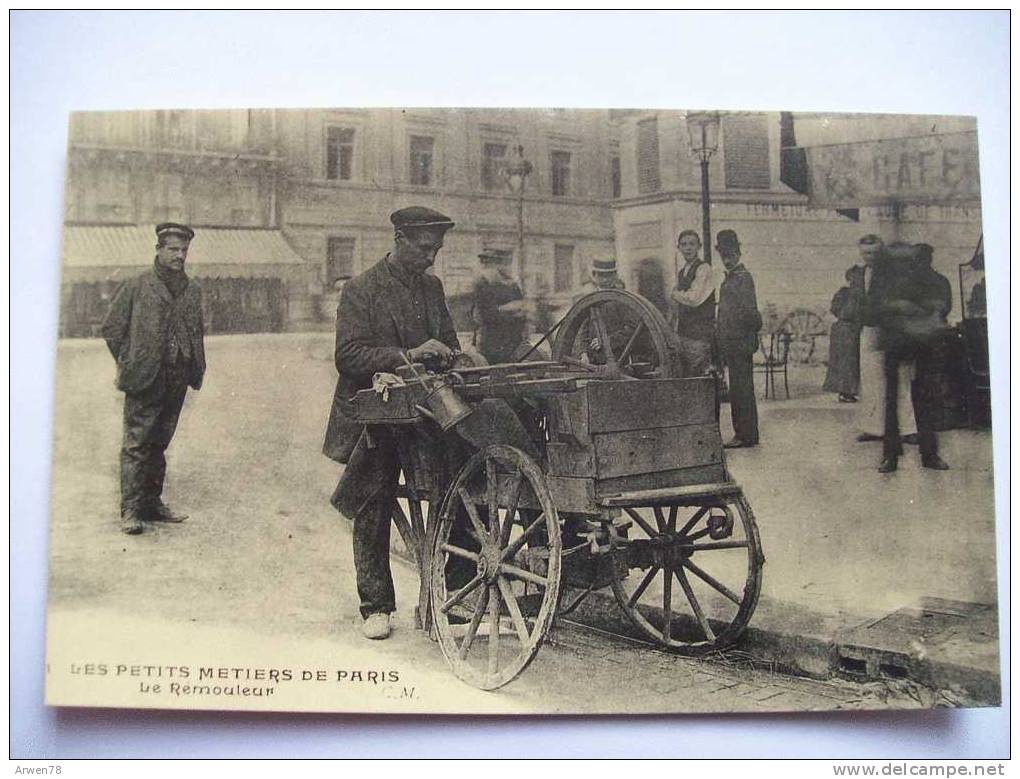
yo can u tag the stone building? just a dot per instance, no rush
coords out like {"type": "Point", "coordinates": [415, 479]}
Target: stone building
{"type": "Point", "coordinates": [345, 171]}
{"type": "Point", "coordinates": [215, 170]}
{"type": "Point", "coordinates": [797, 244]}
{"type": "Point", "coordinates": [304, 197]}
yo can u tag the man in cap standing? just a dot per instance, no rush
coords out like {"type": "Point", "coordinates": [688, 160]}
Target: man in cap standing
{"type": "Point", "coordinates": [498, 308]}
{"type": "Point", "coordinates": [391, 312]}
{"type": "Point", "coordinates": [154, 331]}
{"type": "Point", "coordinates": [739, 322]}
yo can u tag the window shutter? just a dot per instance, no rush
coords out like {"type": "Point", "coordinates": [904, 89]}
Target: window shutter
{"type": "Point", "coordinates": [746, 151]}
{"type": "Point", "coordinates": [648, 155]}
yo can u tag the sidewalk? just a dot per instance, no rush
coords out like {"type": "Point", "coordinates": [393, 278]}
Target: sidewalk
{"type": "Point", "coordinates": [846, 547]}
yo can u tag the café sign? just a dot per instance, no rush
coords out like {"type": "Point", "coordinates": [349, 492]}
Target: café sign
{"type": "Point", "coordinates": [930, 169]}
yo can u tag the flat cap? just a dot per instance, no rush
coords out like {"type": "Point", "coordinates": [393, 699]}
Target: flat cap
{"type": "Point", "coordinates": [420, 216]}
{"type": "Point", "coordinates": [173, 228]}
{"type": "Point", "coordinates": [495, 255]}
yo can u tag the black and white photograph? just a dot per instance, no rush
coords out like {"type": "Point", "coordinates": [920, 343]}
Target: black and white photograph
{"type": "Point", "coordinates": [522, 411]}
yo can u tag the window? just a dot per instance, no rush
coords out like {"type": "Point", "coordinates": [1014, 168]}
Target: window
{"type": "Point", "coordinates": [746, 151]}
{"type": "Point", "coordinates": [614, 175]}
{"type": "Point", "coordinates": [648, 155]}
{"type": "Point", "coordinates": [493, 155]}
{"type": "Point", "coordinates": [113, 194]}
{"type": "Point", "coordinates": [340, 259]}
{"type": "Point", "coordinates": [168, 189]}
{"type": "Point", "coordinates": [560, 162]}
{"type": "Point", "coordinates": [422, 155]}
{"type": "Point", "coordinates": [245, 202]}
{"type": "Point", "coordinates": [563, 267]}
{"type": "Point", "coordinates": [339, 153]}
{"type": "Point", "coordinates": [173, 129]}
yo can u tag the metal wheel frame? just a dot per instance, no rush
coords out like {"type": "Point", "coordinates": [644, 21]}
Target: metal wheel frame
{"type": "Point", "coordinates": [650, 319]}
{"type": "Point", "coordinates": [494, 571]}
{"type": "Point", "coordinates": [714, 638]}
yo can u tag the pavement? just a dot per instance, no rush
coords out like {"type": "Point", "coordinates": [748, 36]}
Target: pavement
{"type": "Point", "coordinates": [265, 556]}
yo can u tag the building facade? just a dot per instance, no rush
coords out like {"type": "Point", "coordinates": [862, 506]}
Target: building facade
{"type": "Point", "coordinates": [215, 170]}
{"type": "Point", "coordinates": [796, 249]}
{"type": "Point", "coordinates": [326, 182]}
{"type": "Point", "coordinates": [301, 199]}
{"type": "Point", "coordinates": [345, 171]}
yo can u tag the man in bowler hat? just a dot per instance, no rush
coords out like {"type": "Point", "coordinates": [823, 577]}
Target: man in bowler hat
{"type": "Point", "coordinates": [738, 324]}
{"type": "Point", "coordinates": [154, 331]}
{"type": "Point", "coordinates": [390, 313]}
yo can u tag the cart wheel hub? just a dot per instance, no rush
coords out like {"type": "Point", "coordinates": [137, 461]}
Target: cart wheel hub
{"type": "Point", "coordinates": [488, 563]}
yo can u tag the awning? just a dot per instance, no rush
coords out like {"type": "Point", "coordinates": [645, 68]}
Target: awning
{"type": "Point", "coordinates": [95, 246]}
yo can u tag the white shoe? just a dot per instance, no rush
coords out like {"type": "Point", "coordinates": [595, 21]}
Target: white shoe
{"type": "Point", "coordinates": [376, 626]}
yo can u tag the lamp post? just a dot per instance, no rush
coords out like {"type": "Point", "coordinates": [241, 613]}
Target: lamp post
{"type": "Point", "coordinates": [516, 172]}
{"type": "Point", "coordinates": [703, 128]}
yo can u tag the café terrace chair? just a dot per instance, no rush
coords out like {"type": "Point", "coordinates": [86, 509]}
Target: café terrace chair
{"type": "Point", "coordinates": [772, 359]}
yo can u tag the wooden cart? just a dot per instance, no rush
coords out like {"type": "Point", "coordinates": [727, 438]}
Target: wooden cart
{"type": "Point", "coordinates": [614, 477]}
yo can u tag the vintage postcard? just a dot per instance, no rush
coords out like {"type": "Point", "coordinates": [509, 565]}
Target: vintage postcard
{"type": "Point", "coordinates": [522, 411]}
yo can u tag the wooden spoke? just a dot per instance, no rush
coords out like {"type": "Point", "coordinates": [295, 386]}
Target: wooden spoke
{"type": "Point", "coordinates": [523, 575]}
{"type": "Point", "coordinates": [715, 545]}
{"type": "Point", "coordinates": [660, 518]}
{"type": "Point", "coordinates": [513, 481]}
{"type": "Point", "coordinates": [493, 630]}
{"type": "Point", "coordinates": [681, 577]}
{"type": "Point", "coordinates": [456, 550]}
{"type": "Point", "coordinates": [476, 620]}
{"type": "Point", "coordinates": [700, 534]}
{"type": "Point", "coordinates": [667, 604]}
{"type": "Point", "coordinates": [511, 511]}
{"type": "Point", "coordinates": [693, 520]}
{"type": "Point", "coordinates": [515, 547]}
{"type": "Point", "coordinates": [636, 595]}
{"type": "Point", "coordinates": [712, 581]}
{"type": "Point", "coordinates": [632, 513]}
{"type": "Point", "coordinates": [472, 512]}
{"type": "Point", "coordinates": [709, 623]}
{"type": "Point", "coordinates": [491, 485]}
{"type": "Point", "coordinates": [460, 594]}
{"type": "Point", "coordinates": [630, 343]}
{"type": "Point", "coordinates": [603, 334]}
{"type": "Point", "coordinates": [507, 591]}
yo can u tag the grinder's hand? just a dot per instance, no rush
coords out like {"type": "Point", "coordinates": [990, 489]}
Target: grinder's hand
{"type": "Point", "coordinates": [431, 350]}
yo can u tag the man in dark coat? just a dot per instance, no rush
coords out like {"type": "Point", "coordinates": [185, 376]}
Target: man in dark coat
{"type": "Point", "coordinates": [498, 308]}
{"type": "Point", "coordinates": [392, 311]}
{"type": "Point", "coordinates": [154, 331]}
{"type": "Point", "coordinates": [908, 301]}
{"type": "Point", "coordinates": [738, 324]}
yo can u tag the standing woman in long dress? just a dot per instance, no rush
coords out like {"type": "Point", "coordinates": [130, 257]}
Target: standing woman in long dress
{"type": "Point", "coordinates": [844, 371]}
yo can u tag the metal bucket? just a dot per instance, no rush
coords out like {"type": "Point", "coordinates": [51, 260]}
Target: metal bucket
{"type": "Point", "coordinates": [446, 406]}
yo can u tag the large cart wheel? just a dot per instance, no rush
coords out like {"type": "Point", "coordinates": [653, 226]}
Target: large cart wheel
{"type": "Point", "coordinates": [631, 336]}
{"type": "Point", "coordinates": [693, 572]}
{"type": "Point", "coordinates": [804, 327]}
{"type": "Point", "coordinates": [495, 578]}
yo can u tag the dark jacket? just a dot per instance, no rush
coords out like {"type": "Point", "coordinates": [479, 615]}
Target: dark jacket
{"type": "Point", "coordinates": [135, 330]}
{"type": "Point", "coordinates": [738, 320]}
{"type": "Point", "coordinates": [908, 303]}
{"type": "Point", "coordinates": [376, 321]}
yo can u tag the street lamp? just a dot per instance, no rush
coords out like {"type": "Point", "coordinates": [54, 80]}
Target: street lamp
{"type": "Point", "coordinates": [703, 127]}
{"type": "Point", "coordinates": [516, 172]}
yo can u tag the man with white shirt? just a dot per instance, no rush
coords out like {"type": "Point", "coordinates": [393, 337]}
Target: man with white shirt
{"type": "Point", "coordinates": [694, 295]}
